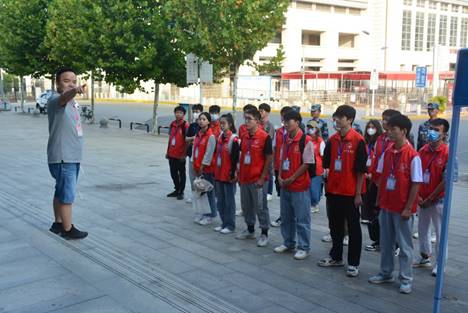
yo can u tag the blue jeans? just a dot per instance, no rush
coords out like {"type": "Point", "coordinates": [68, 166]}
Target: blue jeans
{"type": "Point", "coordinates": [295, 219]}
{"type": "Point", "coordinates": [66, 178]}
{"type": "Point", "coordinates": [226, 203]}
{"type": "Point", "coordinates": [394, 230]}
{"type": "Point", "coordinates": [211, 195]}
{"type": "Point", "coordinates": [315, 190]}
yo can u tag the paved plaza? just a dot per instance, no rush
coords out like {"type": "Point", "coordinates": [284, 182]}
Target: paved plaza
{"type": "Point", "coordinates": [145, 254]}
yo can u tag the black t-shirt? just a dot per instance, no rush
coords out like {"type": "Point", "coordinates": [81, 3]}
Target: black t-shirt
{"type": "Point", "coordinates": [268, 149]}
{"type": "Point", "coordinates": [191, 131]}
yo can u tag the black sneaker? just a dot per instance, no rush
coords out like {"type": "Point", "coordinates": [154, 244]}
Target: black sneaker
{"type": "Point", "coordinates": [173, 194]}
{"type": "Point", "coordinates": [74, 233]}
{"type": "Point", "coordinates": [56, 228]}
{"type": "Point", "coordinates": [180, 196]}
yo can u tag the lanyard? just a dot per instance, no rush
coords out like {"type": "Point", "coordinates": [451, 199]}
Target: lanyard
{"type": "Point", "coordinates": [384, 143]}
{"type": "Point", "coordinates": [370, 148]}
{"type": "Point", "coordinates": [395, 161]}
{"type": "Point", "coordinates": [432, 160]}
{"type": "Point", "coordinates": [221, 143]}
{"type": "Point", "coordinates": [340, 148]}
{"type": "Point", "coordinates": [286, 151]}
{"type": "Point", "coordinates": [174, 133]}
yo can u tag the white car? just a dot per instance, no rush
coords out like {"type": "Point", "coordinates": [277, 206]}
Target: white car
{"type": "Point", "coordinates": [41, 101]}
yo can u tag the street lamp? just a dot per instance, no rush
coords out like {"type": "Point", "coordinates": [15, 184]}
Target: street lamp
{"type": "Point", "coordinates": [2, 94]}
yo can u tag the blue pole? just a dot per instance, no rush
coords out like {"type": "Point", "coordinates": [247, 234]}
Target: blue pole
{"type": "Point", "coordinates": [447, 206]}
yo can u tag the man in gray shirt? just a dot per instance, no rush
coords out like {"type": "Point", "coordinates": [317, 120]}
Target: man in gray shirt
{"type": "Point", "coordinates": [64, 151]}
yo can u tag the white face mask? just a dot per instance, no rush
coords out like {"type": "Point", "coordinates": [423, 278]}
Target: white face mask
{"type": "Point", "coordinates": [335, 126]}
{"type": "Point", "coordinates": [196, 115]}
{"type": "Point", "coordinates": [371, 131]}
{"type": "Point", "coordinates": [214, 117]}
{"type": "Point", "coordinates": [311, 131]}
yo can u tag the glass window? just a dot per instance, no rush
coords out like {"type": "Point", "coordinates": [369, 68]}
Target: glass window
{"type": "Point", "coordinates": [419, 32]}
{"type": "Point", "coordinates": [444, 6]}
{"type": "Point", "coordinates": [304, 5]}
{"type": "Point", "coordinates": [311, 38]}
{"type": "Point", "coordinates": [463, 32]}
{"type": "Point", "coordinates": [340, 10]}
{"type": "Point", "coordinates": [453, 31]}
{"type": "Point", "coordinates": [465, 10]}
{"type": "Point", "coordinates": [408, 2]}
{"type": "Point", "coordinates": [421, 3]}
{"type": "Point", "coordinates": [353, 11]}
{"type": "Point", "coordinates": [346, 40]}
{"type": "Point", "coordinates": [406, 31]}
{"type": "Point", "coordinates": [323, 8]}
{"type": "Point", "coordinates": [432, 5]}
{"type": "Point", "coordinates": [443, 30]}
{"type": "Point", "coordinates": [431, 28]}
{"type": "Point", "coordinates": [454, 8]}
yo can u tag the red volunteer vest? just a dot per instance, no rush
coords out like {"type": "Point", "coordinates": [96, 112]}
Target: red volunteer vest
{"type": "Point", "coordinates": [344, 182]}
{"type": "Point", "coordinates": [400, 160]}
{"type": "Point", "coordinates": [177, 136]}
{"type": "Point", "coordinates": [433, 161]}
{"type": "Point", "coordinates": [279, 138]}
{"type": "Point", "coordinates": [292, 152]}
{"type": "Point", "coordinates": [253, 145]}
{"type": "Point", "coordinates": [242, 130]}
{"type": "Point", "coordinates": [199, 148]}
{"type": "Point", "coordinates": [370, 149]}
{"type": "Point", "coordinates": [215, 128]}
{"type": "Point", "coordinates": [223, 172]}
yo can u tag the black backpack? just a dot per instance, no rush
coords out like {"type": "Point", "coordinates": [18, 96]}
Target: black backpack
{"type": "Point", "coordinates": [312, 169]}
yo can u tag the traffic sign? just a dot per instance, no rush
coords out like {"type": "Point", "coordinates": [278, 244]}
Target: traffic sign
{"type": "Point", "coordinates": [421, 76]}
{"type": "Point", "coordinates": [192, 68]}
{"type": "Point", "coordinates": [206, 72]}
{"type": "Point", "coordinates": [374, 80]}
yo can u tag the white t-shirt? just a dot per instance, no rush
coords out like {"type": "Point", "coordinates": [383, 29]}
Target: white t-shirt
{"type": "Point", "coordinates": [416, 168]}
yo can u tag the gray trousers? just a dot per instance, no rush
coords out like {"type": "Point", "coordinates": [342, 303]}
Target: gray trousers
{"type": "Point", "coordinates": [191, 173]}
{"type": "Point", "coordinates": [254, 204]}
{"type": "Point", "coordinates": [395, 230]}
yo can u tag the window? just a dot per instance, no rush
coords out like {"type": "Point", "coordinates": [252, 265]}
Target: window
{"type": "Point", "coordinates": [340, 10]}
{"type": "Point", "coordinates": [431, 28]}
{"type": "Point", "coordinates": [421, 3]}
{"type": "Point", "coordinates": [311, 60]}
{"type": "Point", "coordinates": [277, 38]}
{"type": "Point", "coordinates": [353, 11]}
{"type": "Point", "coordinates": [346, 40]}
{"type": "Point", "coordinates": [465, 10]}
{"type": "Point", "coordinates": [463, 32]}
{"type": "Point", "coordinates": [454, 8]}
{"type": "Point", "coordinates": [346, 69]}
{"type": "Point", "coordinates": [304, 5]}
{"type": "Point", "coordinates": [313, 68]}
{"type": "Point", "coordinates": [452, 66]}
{"type": "Point", "coordinates": [346, 61]}
{"type": "Point", "coordinates": [323, 8]}
{"type": "Point", "coordinates": [444, 6]}
{"type": "Point", "coordinates": [311, 38]}
{"type": "Point", "coordinates": [453, 31]}
{"type": "Point", "coordinates": [406, 31]}
{"type": "Point", "coordinates": [432, 5]}
{"type": "Point", "coordinates": [443, 30]}
{"type": "Point", "coordinates": [408, 2]}
{"type": "Point", "coordinates": [419, 32]}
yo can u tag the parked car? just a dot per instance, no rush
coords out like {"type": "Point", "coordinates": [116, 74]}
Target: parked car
{"type": "Point", "coordinates": [41, 101]}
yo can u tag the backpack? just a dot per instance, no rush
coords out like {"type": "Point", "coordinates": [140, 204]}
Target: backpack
{"type": "Point", "coordinates": [312, 169]}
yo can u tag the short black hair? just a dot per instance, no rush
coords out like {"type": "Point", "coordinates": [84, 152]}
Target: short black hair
{"type": "Point", "coordinates": [390, 113]}
{"type": "Point", "coordinates": [401, 121]}
{"type": "Point", "coordinates": [265, 107]}
{"type": "Point", "coordinates": [441, 121]}
{"type": "Point", "coordinates": [293, 115]}
{"type": "Point", "coordinates": [285, 109]}
{"type": "Point", "coordinates": [347, 111]}
{"type": "Point", "coordinates": [248, 107]}
{"type": "Point", "coordinates": [230, 120]}
{"type": "Point", "coordinates": [197, 107]}
{"type": "Point", "coordinates": [180, 108]}
{"type": "Point", "coordinates": [254, 112]}
{"type": "Point", "coordinates": [63, 70]}
{"type": "Point", "coordinates": [214, 109]}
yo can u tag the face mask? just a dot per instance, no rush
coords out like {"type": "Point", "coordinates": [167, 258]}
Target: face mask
{"type": "Point", "coordinates": [371, 131]}
{"type": "Point", "coordinates": [196, 115]}
{"type": "Point", "coordinates": [335, 126]}
{"type": "Point", "coordinates": [433, 135]}
{"type": "Point", "coordinates": [311, 131]}
{"type": "Point", "coordinates": [214, 117]}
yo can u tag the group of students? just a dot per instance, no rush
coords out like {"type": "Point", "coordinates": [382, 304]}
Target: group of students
{"type": "Point", "coordinates": [376, 173]}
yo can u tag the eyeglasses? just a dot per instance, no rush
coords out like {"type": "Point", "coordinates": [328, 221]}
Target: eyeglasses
{"type": "Point", "coordinates": [248, 118]}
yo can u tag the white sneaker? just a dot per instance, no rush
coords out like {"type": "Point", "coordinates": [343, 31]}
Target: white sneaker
{"type": "Point", "coordinates": [197, 219]}
{"type": "Point", "coordinates": [269, 197]}
{"type": "Point", "coordinates": [282, 249]}
{"type": "Point", "coordinates": [346, 241]}
{"type": "Point", "coordinates": [352, 271]}
{"type": "Point", "coordinates": [239, 213]}
{"type": "Point", "coordinates": [188, 200]}
{"type": "Point", "coordinates": [245, 234]}
{"type": "Point", "coordinates": [416, 235]}
{"type": "Point", "coordinates": [433, 238]}
{"type": "Point", "coordinates": [315, 209]}
{"type": "Point", "coordinates": [206, 221]}
{"type": "Point", "coordinates": [397, 251]}
{"type": "Point", "coordinates": [262, 241]}
{"type": "Point", "coordinates": [301, 255]}
{"type": "Point", "coordinates": [434, 271]}
{"type": "Point", "coordinates": [327, 238]}
{"type": "Point", "coordinates": [217, 228]}
{"type": "Point", "coordinates": [225, 231]}
{"type": "Point", "coordinates": [276, 223]}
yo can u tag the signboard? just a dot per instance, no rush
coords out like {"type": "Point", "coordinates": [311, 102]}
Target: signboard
{"type": "Point", "coordinates": [206, 72]}
{"type": "Point", "coordinates": [421, 76]}
{"type": "Point", "coordinates": [374, 80]}
{"type": "Point", "coordinates": [192, 68]}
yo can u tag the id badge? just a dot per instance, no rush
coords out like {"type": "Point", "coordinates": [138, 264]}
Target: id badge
{"type": "Point", "coordinates": [391, 183]}
{"type": "Point", "coordinates": [427, 177]}
{"type": "Point", "coordinates": [369, 162]}
{"type": "Point", "coordinates": [286, 165]}
{"type": "Point", "coordinates": [173, 141]}
{"type": "Point", "coordinates": [338, 165]}
{"type": "Point", "coordinates": [79, 130]}
{"type": "Point", "coordinates": [218, 161]}
{"type": "Point", "coordinates": [247, 159]}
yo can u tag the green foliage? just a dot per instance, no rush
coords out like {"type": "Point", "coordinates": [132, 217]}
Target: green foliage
{"type": "Point", "coordinates": [273, 66]}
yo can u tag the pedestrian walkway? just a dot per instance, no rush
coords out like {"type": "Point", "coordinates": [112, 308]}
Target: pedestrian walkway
{"type": "Point", "coordinates": [145, 254]}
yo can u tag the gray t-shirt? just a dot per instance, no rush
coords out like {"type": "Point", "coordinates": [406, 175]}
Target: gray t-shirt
{"type": "Point", "coordinates": [65, 132]}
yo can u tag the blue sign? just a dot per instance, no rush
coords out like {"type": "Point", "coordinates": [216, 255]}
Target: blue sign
{"type": "Point", "coordinates": [421, 76]}
{"type": "Point", "coordinates": [460, 92]}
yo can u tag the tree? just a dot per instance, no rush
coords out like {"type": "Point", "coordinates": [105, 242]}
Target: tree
{"type": "Point", "coordinates": [274, 64]}
{"type": "Point", "coordinates": [22, 31]}
{"type": "Point", "coordinates": [226, 32]}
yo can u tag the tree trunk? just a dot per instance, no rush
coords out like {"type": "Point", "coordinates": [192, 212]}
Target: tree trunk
{"type": "Point", "coordinates": [234, 91]}
{"type": "Point", "coordinates": [92, 97]}
{"type": "Point", "coordinates": [155, 108]}
{"type": "Point", "coordinates": [22, 93]}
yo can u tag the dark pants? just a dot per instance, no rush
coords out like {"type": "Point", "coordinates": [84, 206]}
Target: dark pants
{"type": "Point", "coordinates": [341, 209]}
{"type": "Point", "coordinates": [372, 212]}
{"type": "Point", "coordinates": [178, 174]}
{"type": "Point", "coordinates": [277, 184]}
